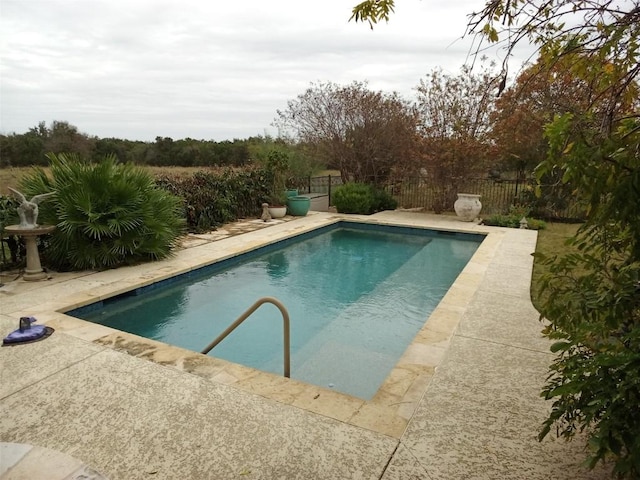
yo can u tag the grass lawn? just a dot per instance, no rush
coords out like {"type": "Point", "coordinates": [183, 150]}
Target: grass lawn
{"type": "Point", "coordinates": [551, 240]}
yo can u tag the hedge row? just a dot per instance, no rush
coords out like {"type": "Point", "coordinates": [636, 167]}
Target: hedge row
{"type": "Point", "coordinates": [212, 199]}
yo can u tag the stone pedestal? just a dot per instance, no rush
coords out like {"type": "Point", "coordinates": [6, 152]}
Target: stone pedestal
{"type": "Point", "coordinates": [34, 271]}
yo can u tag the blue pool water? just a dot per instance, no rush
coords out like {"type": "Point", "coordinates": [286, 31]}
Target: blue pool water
{"type": "Point", "coordinates": [356, 298]}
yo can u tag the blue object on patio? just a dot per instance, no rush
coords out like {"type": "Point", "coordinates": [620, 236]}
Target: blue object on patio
{"type": "Point", "coordinates": [27, 332]}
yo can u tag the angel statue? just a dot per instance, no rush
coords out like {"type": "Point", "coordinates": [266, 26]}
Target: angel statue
{"type": "Point", "coordinates": [28, 209]}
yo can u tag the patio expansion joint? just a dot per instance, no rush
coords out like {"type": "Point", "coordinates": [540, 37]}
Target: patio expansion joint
{"type": "Point", "coordinates": [504, 294]}
{"type": "Point", "coordinates": [386, 465]}
{"type": "Point", "coordinates": [425, 472]}
{"type": "Point", "coordinates": [494, 342]}
{"type": "Point", "coordinates": [56, 373]}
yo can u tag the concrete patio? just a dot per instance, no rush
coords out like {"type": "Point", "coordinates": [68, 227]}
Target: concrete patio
{"type": "Point", "coordinates": [463, 402]}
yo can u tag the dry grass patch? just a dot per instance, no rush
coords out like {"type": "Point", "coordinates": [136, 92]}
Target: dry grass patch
{"type": "Point", "coordinates": [10, 177]}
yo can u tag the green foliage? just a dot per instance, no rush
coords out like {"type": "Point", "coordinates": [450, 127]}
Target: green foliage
{"type": "Point", "coordinates": [107, 214]}
{"type": "Point", "coordinates": [8, 212]}
{"type": "Point", "coordinates": [9, 216]}
{"type": "Point", "coordinates": [277, 164]}
{"type": "Point", "coordinates": [382, 200]}
{"type": "Point", "coordinates": [550, 198]}
{"type": "Point", "coordinates": [30, 148]}
{"type": "Point", "coordinates": [302, 164]}
{"type": "Point", "coordinates": [166, 151]}
{"type": "Point", "coordinates": [593, 300]}
{"type": "Point", "coordinates": [513, 221]}
{"type": "Point", "coordinates": [278, 198]}
{"type": "Point", "coordinates": [372, 11]}
{"type": "Point", "coordinates": [277, 161]}
{"type": "Point", "coordinates": [353, 198]}
{"type": "Point", "coordinates": [513, 218]}
{"type": "Point", "coordinates": [362, 199]}
{"type": "Point", "coordinates": [535, 224]}
{"type": "Point", "coordinates": [595, 381]}
{"type": "Point", "coordinates": [213, 199]}
{"type": "Point", "coordinates": [299, 163]}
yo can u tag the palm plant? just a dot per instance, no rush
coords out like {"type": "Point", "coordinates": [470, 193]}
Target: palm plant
{"type": "Point", "coordinates": [107, 213]}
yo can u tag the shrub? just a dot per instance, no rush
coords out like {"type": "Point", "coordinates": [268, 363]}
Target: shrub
{"type": "Point", "coordinates": [213, 199]}
{"type": "Point", "coordinates": [535, 224]}
{"type": "Point", "coordinates": [501, 220]}
{"type": "Point", "coordinates": [362, 199]}
{"type": "Point", "coordinates": [382, 200]}
{"type": "Point", "coordinates": [107, 214]}
{"type": "Point", "coordinates": [512, 219]}
{"type": "Point", "coordinates": [353, 198]}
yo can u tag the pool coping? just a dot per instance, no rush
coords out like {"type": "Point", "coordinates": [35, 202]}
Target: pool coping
{"type": "Point", "coordinates": [388, 412]}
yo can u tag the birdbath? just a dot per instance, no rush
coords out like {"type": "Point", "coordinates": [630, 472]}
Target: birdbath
{"type": "Point", "coordinates": [34, 271]}
{"type": "Point", "coordinates": [30, 231]}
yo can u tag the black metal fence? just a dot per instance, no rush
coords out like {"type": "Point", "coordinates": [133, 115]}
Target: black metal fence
{"type": "Point", "coordinates": [324, 185]}
{"type": "Point", "coordinates": [497, 196]}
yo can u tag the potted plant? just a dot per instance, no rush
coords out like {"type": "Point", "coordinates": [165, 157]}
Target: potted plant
{"type": "Point", "coordinates": [278, 163]}
{"type": "Point", "coordinates": [278, 204]}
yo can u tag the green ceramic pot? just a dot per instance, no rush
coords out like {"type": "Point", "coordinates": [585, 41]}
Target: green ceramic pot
{"type": "Point", "coordinates": [298, 206]}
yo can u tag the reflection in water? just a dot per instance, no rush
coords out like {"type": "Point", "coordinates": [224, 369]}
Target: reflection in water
{"type": "Point", "coordinates": [136, 314]}
{"type": "Point", "coordinates": [277, 265]}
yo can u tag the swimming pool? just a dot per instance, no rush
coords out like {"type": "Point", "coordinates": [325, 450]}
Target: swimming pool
{"type": "Point", "coordinates": [357, 294]}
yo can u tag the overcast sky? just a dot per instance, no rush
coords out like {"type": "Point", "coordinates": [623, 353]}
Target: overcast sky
{"type": "Point", "coordinates": [214, 70]}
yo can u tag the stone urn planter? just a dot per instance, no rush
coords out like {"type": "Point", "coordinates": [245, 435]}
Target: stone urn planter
{"type": "Point", "coordinates": [467, 206]}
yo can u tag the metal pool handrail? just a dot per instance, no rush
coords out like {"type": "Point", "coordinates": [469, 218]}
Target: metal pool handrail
{"type": "Point", "coordinates": [245, 315]}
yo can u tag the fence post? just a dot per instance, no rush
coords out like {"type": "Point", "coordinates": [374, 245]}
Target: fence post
{"type": "Point", "coordinates": [329, 189]}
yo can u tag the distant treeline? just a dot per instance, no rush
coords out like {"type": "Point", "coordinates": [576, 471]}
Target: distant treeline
{"type": "Point", "coordinates": [26, 149]}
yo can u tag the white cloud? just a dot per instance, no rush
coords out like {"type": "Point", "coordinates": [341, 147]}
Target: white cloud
{"type": "Point", "coordinates": [139, 69]}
